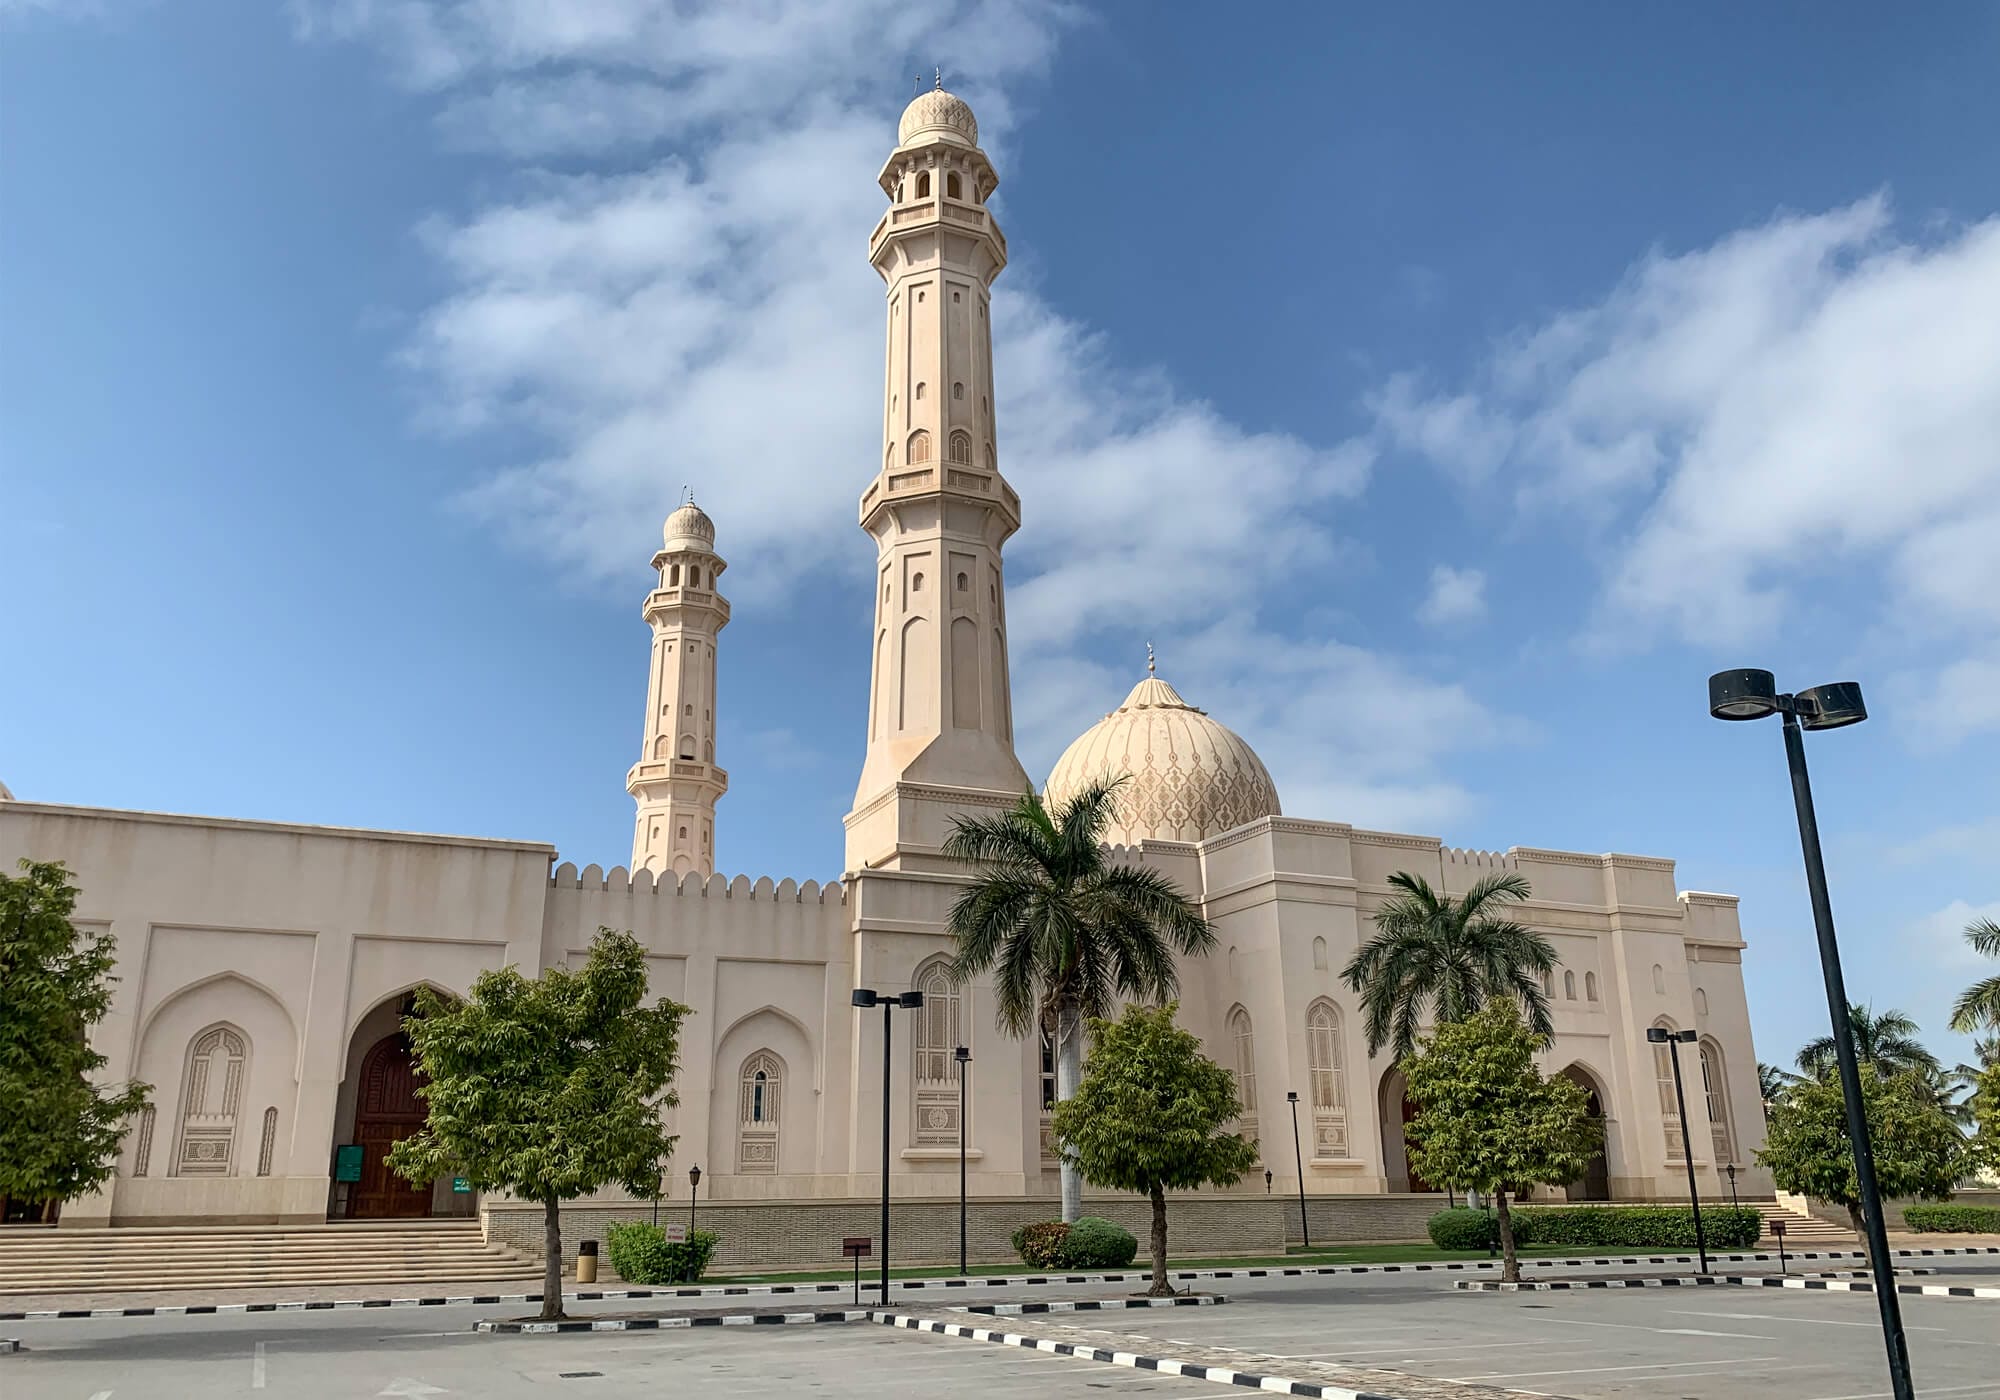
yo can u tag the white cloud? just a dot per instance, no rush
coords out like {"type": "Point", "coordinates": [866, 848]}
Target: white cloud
{"type": "Point", "coordinates": [694, 307]}
{"type": "Point", "coordinates": [1801, 400]}
{"type": "Point", "coordinates": [1947, 842]}
{"type": "Point", "coordinates": [1938, 938]}
{"type": "Point", "coordinates": [1457, 595]}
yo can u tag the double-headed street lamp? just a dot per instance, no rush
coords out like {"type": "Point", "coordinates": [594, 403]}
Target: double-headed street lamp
{"type": "Point", "coordinates": [888, 1001]}
{"type": "Point", "coordinates": [1752, 694]}
{"type": "Point", "coordinates": [963, 1055]}
{"type": "Point", "coordinates": [1673, 1040]}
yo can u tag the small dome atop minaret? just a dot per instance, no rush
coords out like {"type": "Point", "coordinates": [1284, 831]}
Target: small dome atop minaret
{"type": "Point", "coordinates": [690, 528]}
{"type": "Point", "coordinates": [938, 115]}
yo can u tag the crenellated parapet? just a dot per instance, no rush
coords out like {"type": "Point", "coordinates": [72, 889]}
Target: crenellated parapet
{"type": "Point", "coordinates": [718, 886]}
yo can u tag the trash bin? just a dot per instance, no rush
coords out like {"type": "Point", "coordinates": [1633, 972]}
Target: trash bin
{"type": "Point", "coordinates": [586, 1262]}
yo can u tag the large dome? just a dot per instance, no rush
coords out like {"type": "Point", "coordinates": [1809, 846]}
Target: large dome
{"type": "Point", "coordinates": [1189, 777]}
{"type": "Point", "coordinates": [690, 528]}
{"type": "Point", "coordinates": [938, 114]}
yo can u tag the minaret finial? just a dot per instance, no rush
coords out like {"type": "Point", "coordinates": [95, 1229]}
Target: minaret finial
{"type": "Point", "coordinates": [1149, 658]}
{"type": "Point", "coordinates": [939, 74]}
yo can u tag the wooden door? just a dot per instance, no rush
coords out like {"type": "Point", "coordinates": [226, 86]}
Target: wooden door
{"type": "Point", "coordinates": [387, 1110]}
{"type": "Point", "coordinates": [1417, 1183]}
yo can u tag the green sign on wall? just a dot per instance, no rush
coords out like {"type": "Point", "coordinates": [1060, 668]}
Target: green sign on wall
{"type": "Point", "coordinates": [461, 1184]}
{"type": "Point", "coordinates": [347, 1162]}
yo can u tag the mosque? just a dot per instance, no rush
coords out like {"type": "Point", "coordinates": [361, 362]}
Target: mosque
{"type": "Point", "coordinates": [263, 965]}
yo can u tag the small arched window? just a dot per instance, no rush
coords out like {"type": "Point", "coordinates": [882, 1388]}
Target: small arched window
{"type": "Point", "coordinates": [694, 576]}
{"type": "Point", "coordinates": [963, 583]}
{"type": "Point", "coordinates": [922, 389]}
{"type": "Point", "coordinates": [673, 576]}
{"type": "Point", "coordinates": [1569, 986]}
{"type": "Point", "coordinates": [1590, 985]}
{"type": "Point", "coordinates": [920, 447]}
{"type": "Point", "coordinates": [1701, 1001]}
{"type": "Point", "coordinates": [957, 390]}
{"type": "Point", "coordinates": [917, 582]}
{"type": "Point", "coordinates": [1319, 955]}
{"type": "Point", "coordinates": [961, 448]}
{"type": "Point", "coordinates": [687, 746]}
{"type": "Point", "coordinates": [923, 184]}
{"type": "Point", "coordinates": [1659, 980]}
{"type": "Point", "coordinates": [688, 710]}
{"type": "Point", "coordinates": [708, 751]}
{"type": "Point", "coordinates": [953, 186]}
{"type": "Point", "coordinates": [684, 834]}
{"type": "Point", "coordinates": [660, 747]}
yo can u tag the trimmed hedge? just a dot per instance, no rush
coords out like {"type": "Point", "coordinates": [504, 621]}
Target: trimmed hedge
{"type": "Point", "coordinates": [1599, 1227]}
{"type": "Point", "coordinates": [1953, 1220]}
{"type": "Point", "coordinates": [642, 1254]}
{"type": "Point", "coordinates": [1096, 1243]}
{"type": "Point", "coordinates": [1041, 1245]}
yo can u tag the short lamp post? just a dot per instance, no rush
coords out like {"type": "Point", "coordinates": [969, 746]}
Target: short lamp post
{"type": "Point", "coordinates": [1730, 1172]}
{"type": "Point", "coordinates": [1673, 1040]}
{"type": "Point", "coordinates": [694, 1189]}
{"type": "Point", "coordinates": [1753, 694]}
{"type": "Point", "coordinates": [1268, 1179]}
{"type": "Point", "coordinates": [963, 1055]}
{"type": "Point", "coordinates": [888, 1001]}
{"type": "Point", "coordinates": [1299, 1162]}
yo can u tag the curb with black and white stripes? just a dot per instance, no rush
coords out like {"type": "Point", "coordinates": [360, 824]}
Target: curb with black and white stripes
{"type": "Point", "coordinates": [741, 1290]}
{"type": "Point", "coordinates": [1165, 1365]}
{"type": "Point", "coordinates": [781, 1319]}
{"type": "Point", "coordinates": [1830, 1285]}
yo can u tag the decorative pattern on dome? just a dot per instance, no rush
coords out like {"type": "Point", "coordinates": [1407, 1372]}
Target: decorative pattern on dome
{"type": "Point", "coordinates": [1190, 777]}
{"type": "Point", "coordinates": [690, 527]}
{"type": "Point", "coordinates": [941, 112]}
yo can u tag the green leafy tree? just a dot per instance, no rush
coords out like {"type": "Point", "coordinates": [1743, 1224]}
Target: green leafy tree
{"type": "Point", "coordinates": [1985, 1146]}
{"type": "Point", "coordinates": [1487, 1118]}
{"type": "Point", "coordinates": [1888, 1041]}
{"type": "Point", "coordinates": [1151, 1116]}
{"type": "Point", "coordinates": [1443, 958]}
{"type": "Point", "coordinates": [1978, 1006]}
{"type": "Point", "coordinates": [59, 1132]}
{"type": "Point", "coordinates": [1065, 931]}
{"type": "Point", "coordinates": [547, 1087]}
{"type": "Point", "coordinates": [1918, 1151]}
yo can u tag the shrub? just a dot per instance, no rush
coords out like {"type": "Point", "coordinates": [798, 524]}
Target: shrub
{"type": "Point", "coordinates": [1955, 1220]}
{"type": "Point", "coordinates": [1635, 1227]}
{"type": "Point", "coordinates": [1043, 1245]}
{"type": "Point", "coordinates": [1096, 1243]}
{"type": "Point", "coordinates": [1461, 1228]}
{"type": "Point", "coordinates": [642, 1254]}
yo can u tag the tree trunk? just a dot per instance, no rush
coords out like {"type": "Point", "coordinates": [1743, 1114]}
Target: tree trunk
{"type": "Point", "coordinates": [552, 1281]}
{"type": "Point", "coordinates": [1510, 1267]}
{"type": "Point", "coordinates": [1855, 1217]}
{"type": "Point", "coordinates": [1161, 1288]}
{"type": "Point", "coordinates": [1069, 1071]}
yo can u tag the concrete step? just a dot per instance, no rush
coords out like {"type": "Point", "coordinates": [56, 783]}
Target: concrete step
{"type": "Point", "coordinates": [1806, 1230]}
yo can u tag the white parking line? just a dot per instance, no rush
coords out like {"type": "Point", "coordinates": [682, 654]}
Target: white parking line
{"type": "Point", "coordinates": [1927, 1390]}
{"type": "Point", "coordinates": [1664, 1331]}
{"type": "Point", "coordinates": [257, 1368]}
{"type": "Point", "coordinates": [1779, 1317]}
{"type": "Point", "coordinates": [1597, 1370]}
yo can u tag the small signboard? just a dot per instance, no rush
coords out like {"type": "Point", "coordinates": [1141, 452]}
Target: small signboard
{"type": "Point", "coordinates": [676, 1234]}
{"type": "Point", "coordinates": [856, 1246]}
{"type": "Point", "coordinates": [347, 1162]}
{"type": "Point", "coordinates": [461, 1184]}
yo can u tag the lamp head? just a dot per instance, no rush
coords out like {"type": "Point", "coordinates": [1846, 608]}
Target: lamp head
{"type": "Point", "coordinates": [862, 997]}
{"type": "Point", "coordinates": [1658, 1035]}
{"type": "Point", "coordinates": [694, 1174]}
{"type": "Point", "coordinates": [962, 1053]}
{"type": "Point", "coordinates": [1292, 1097]}
{"type": "Point", "coordinates": [1687, 1037]}
{"type": "Point", "coordinates": [1745, 694]}
{"type": "Point", "coordinates": [1832, 706]}
{"type": "Point", "coordinates": [910, 1001]}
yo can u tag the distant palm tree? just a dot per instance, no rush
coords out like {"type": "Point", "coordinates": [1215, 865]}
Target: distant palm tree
{"type": "Point", "coordinates": [1443, 958]}
{"type": "Point", "coordinates": [1978, 1007]}
{"type": "Point", "coordinates": [1065, 931]}
{"type": "Point", "coordinates": [1888, 1041]}
{"type": "Point", "coordinates": [1773, 1083]}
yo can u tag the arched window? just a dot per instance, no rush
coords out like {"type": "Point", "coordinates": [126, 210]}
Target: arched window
{"type": "Point", "coordinates": [660, 747]}
{"type": "Point", "coordinates": [1716, 1091]}
{"type": "Point", "coordinates": [270, 1141]}
{"type": "Point", "coordinates": [964, 582]}
{"type": "Point", "coordinates": [142, 1153]}
{"type": "Point", "coordinates": [961, 447]}
{"type": "Point", "coordinates": [1590, 986]}
{"type": "Point", "coordinates": [940, 1027]}
{"type": "Point", "coordinates": [1548, 983]}
{"type": "Point", "coordinates": [673, 576]}
{"type": "Point", "coordinates": [694, 576]}
{"type": "Point", "coordinates": [1246, 1061]}
{"type": "Point", "coordinates": [953, 186]}
{"type": "Point", "coordinates": [923, 184]}
{"type": "Point", "coordinates": [1319, 955]}
{"type": "Point", "coordinates": [1569, 986]}
{"type": "Point", "coordinates": [1659, 980]}
{"type": "Point", "coordinates": [1327, 1079]}
{"type": "Point", "coordinates": [957, 390]}
{"type": "Point", "coordinates": [1663, 1077]}
{"type": "Point", "coordinates": [920, 383]}
{"type": "Point", "coordinates": [920, 447]}
{"type": "Point", "coordinates": [1047, 1079]}
{"type": "Point", "coordinates": [1701, 1001]}
{"type": "Point", "coordinates": [212, 1091]}
{"type": "Point", "coordinates": [917, 581]}
{"type": "Point", "coordinates": [687, 746]}
{"type": "Point", "coordinates": [759, 1102]}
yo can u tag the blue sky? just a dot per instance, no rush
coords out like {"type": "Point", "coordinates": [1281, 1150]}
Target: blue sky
{"type": "Point", "coordinates": [1444, 393]}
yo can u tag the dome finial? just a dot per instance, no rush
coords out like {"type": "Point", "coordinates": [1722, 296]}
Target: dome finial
{"type": "Point", "coordinates": [938, 74]}
{"type": "Point", "coordinates": [1149, 658]}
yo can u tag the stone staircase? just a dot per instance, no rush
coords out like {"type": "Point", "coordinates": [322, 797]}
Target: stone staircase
{"type": "Point", "coordinates": [376, 1255]}
{"type": "Point", "coordinates": [1803, 1232]}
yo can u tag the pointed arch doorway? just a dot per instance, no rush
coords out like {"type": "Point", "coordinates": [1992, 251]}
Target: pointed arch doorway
{"type": "Point", "coordinates": [387, 1110]}
{"type": "Point", "coordinates": [1595, 1183]}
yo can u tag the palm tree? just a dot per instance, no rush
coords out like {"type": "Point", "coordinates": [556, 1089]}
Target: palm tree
{"type": "Point", "coordinates": [1773, 1082]}
{"type": "Point", "coordinates": [1444, 957]}
{"type": "Point", "coordinates": [1066, 932]}
{"type": "Point", "coordinates": [1889, 1042]}
{"type": "Point", "coordinates": [1979, 1005]}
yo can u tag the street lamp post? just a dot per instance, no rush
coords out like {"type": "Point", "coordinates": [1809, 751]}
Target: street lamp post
{"type": "Point", "coordinates": [962, 1054]}
{"type": "Point", "coordinates": [1730, 1172]}
{"type": "Point", "coordinates": [888, 1001]}
{"type": "Point", "coordinates": [1299, 1162]}
{"type": "Point", "coordinates": [1753, 694]}
{"type": "Point", "coordinates": [1268, 1179]}
{"type": "Point", "coordinates": [694, 1189]}
{"type": "Point", "coordinates": [1673, 1040]}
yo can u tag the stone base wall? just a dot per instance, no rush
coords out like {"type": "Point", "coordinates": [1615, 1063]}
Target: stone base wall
{"type": "Point", "coordinates": [806, 1235]}
{"type": "Point", "coordinates": [1892, 1210]}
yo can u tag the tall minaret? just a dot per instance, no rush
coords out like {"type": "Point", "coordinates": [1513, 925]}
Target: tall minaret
{"type": "Point", "coordinates": [940, 722]}
{"type": "Point", "coordinates": [675, 782]}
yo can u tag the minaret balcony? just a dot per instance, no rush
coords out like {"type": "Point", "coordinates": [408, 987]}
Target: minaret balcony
{"type": "Point", "coordinates": [668, 770]}
{"type": "Point", "coordinates": [928, 213]}
{"type": "Point", "coordinates": [953, 479]}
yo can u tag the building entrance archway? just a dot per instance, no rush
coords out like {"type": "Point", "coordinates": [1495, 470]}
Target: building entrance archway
{"type": "Point", "coordinates": [1396, 1110]}
{"type": "Point", "coordinates": [386, 1110]}
{"type": "Point", "coordinates": [1595, 1183]}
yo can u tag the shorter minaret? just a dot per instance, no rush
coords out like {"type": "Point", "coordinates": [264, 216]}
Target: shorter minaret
{"type": "Point", "coordinates": [675, 782]}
